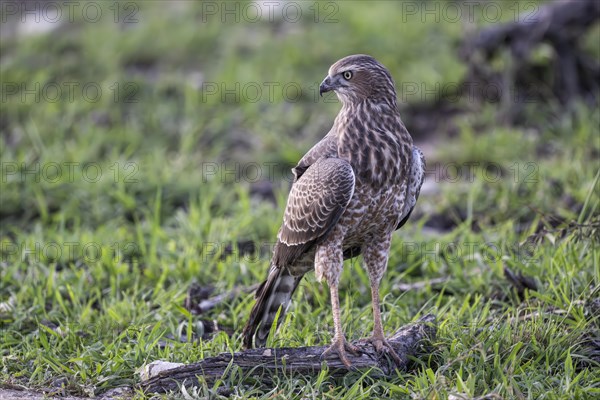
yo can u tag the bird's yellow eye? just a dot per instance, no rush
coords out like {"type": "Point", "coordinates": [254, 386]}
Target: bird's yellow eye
{"type": "Point", "coordinates": [347, 75]}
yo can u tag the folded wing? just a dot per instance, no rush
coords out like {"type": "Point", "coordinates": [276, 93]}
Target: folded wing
{"type": "Point", "coordinates": [315, 204]}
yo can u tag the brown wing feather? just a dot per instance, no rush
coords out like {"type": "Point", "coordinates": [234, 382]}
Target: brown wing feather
{"type": "Point", "coordinates": [316, 202]}
{"type": "Point", "coordinates": [326, 148]}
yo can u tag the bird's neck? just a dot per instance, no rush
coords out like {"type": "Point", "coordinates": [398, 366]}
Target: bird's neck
{"type": "Point", "coordinates": [372, 137]}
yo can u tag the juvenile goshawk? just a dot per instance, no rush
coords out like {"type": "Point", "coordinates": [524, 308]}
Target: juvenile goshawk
{"type": "Point", "coordinates": [351, 191]}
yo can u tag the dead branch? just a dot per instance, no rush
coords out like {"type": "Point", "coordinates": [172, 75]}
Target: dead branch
{"type": "Point", "coordinates": [262, 364]}
{"type": "Point", "coordinates": [554, 22]}
{"type": "Point", "coordinates": [570, 75]}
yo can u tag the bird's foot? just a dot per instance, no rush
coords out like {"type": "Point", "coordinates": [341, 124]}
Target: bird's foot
{"type": "Point", "coordinates": [340, 346]}
{"type": "Point", "coordinates": [382, 346]}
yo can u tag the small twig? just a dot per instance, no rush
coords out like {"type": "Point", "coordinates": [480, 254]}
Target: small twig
{"type": "Point", "coordinates": [546, 312]}
{"type": "Point", "coordinates": [263, 364]}
{"type": "Point", "coordinates": [198, 305]}
{"type": "Point", "coordinates": [405, 287]}
{"type": "Point", "coordinates": [519, 281]}
{"type": "Point", "coordinates": [214, 301]}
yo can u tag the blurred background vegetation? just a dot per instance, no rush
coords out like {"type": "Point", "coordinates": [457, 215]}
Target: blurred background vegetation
{"type": "Point", "coordinates": [144, 143]}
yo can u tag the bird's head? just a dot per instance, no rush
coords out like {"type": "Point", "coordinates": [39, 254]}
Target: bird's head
{"type": "Point", "coordinates": [359, 77]}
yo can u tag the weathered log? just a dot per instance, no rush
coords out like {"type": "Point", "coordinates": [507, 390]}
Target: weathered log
{"type": "Point", "coordinates": [262, 364]}
{"type": "Point", "coordinates": [555, 22]}
{"type": "Point", "coordinates": [570, 75]}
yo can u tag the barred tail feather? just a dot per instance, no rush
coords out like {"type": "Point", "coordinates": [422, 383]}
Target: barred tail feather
{"type": "Point", "coordinates": [272, 294]}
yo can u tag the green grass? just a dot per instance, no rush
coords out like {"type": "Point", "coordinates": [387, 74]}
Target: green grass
{"type": "Point", "coordinates": [96, 263]}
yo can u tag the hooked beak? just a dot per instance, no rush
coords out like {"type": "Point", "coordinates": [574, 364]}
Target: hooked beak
{"type": "Point", "coordinates": [326, 86]}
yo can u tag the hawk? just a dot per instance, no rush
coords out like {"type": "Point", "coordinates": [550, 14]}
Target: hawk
{"type": "Point", "coordinates": [351, 191]}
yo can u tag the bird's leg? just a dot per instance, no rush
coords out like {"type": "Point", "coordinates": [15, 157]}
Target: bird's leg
{"type": "Point", "coordinates": [378, 339]}
{"type": "Point", "coordinates": [329, 262]}
{"type": "Point", "coordinates": [339, 345]}
{"type": "Point", "coordinates": [376, 257]}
